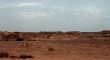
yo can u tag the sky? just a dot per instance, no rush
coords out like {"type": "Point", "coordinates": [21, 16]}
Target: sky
{"type": "Point", "coordinates": [54, 15]}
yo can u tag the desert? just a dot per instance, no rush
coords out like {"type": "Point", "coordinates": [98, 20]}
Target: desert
{"type": "Point", "coordinates": [55, 45]}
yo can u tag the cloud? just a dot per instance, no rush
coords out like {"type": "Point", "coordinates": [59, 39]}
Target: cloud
{"type": "Point", "coordinates": [86, 17]}
{"type": "Point", "coordinates": [62, 8]}
{"type": "Point", "coordinates": [3, 5]}
{"type": "Point", "coordinates": [21, 4]}
{"type": "Point", "coordinates": [91, 11]}
{"type": "Point", "coordinates": [34, 14]}
{"type": "Point", "coordinates": [55, 14]}
{"type": "Point", "coordinates": [29, 4]}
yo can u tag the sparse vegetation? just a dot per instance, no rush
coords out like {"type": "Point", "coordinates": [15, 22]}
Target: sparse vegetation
{"type": "Point", "coordinates": [67, 43]}
{"type": "Point", "coordinates": [51, 49]}
{"type": "Point", "coordinates": [6, 40]}
{"type": "Point", "coordinates": [25, 56]}
{"type": "Point", "coordinates": [59, 44]}
{"type": "Point", "coordinates": [13, 57]}
{"type": "Point", "coordinates": [19, 39]}
{"type": "Point", "coordinates": [4, 54]}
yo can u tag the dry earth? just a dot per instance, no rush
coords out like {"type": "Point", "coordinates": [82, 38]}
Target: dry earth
{"type": "Point", "coordinates": [57, 50]}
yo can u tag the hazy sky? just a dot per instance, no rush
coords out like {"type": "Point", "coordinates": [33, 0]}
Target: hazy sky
{"type": "Point", "coordinates": [54, 15]}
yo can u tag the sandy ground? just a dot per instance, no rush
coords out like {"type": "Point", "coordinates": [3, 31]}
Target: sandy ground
{"type": "Point", "coordinates": [62, 50]}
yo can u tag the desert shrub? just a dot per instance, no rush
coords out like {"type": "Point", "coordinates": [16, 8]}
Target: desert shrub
{"type": "Point", "coordinates": [19, 39]}
{"type": "Point", "coordinates": [108, 47]}
{"type": "Point", "coordinates": [90, 45]}
{"type": "Point", "coordinates": [33, 40]}
{"type": "Point", "coordinates": [13, 57]}
{"type": "Point", "coordinates": [4, 54]}
{"type": "Point", "coordinates": [6, 40]}
{"type": "Point", "coordinates": [67, 43]}
{"type": "Point", "coordinates": [51, 49]}
{"type": "Point", "coordinates": [29, 56]}
{"type": "Point", "coordinates": [26, 56]}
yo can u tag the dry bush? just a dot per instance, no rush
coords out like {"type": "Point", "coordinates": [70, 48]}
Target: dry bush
{"type": "Point", "coordinates": [7, 40]}
{"type": "Point", "coordinates": [19, 39]}
{"type": "Point", "coordinates": [4, 54]}
{"type": "Point", "coordinates": [25, 56]}
{"type": "Point", "coordinates": [67, 43]}
{"type": "Point", "coordinates": [51, 49]}
{"type": "Point", "coordinates": [13, 57]}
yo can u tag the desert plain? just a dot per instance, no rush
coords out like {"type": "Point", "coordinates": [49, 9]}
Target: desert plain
{"type": "Point", "coordinates": [55, 45]}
